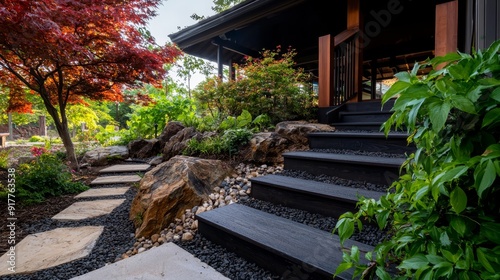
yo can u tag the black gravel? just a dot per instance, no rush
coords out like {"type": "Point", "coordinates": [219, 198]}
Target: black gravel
{"type": "Point", "coordinates": [115, 240]}
{"type": "Point", "coordinates": [226, 262]}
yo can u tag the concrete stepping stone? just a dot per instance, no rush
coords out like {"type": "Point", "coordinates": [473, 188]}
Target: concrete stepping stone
{"type": "Point", "coordinates": [103, 192]}
{"type": "Point", "coordinates": [125, 168]}
{"type": "Point", "coordinates": [88, 209]}
{"type": "Point", "coordinates": [116, 179]}
{"type": "Point", "coordinates": [168, 261]}
{"type": "Point", "coordinates": [51, 248]}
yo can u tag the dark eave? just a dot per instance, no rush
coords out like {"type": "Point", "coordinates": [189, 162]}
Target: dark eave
{"type": "Point", "coordinates": [232, 19]}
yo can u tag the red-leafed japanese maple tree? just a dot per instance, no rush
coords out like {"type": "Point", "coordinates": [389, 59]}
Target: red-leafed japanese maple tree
{"type": "Point", "coordinates": [68, 50]}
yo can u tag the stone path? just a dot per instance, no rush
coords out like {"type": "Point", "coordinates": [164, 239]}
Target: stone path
{"type": "Point", "coordinates": [88, 209]}
{"type": "Point", "coordinates": [106, 180]}
{"type": "Point", "coordinates": [61, 245]}
{"type": "Point", "coordinates": [167, 261]}
{"type": "Point", "coordinates": [125, 168]}
{"type": "Point", "coordinates": [51, 248]}
{"type": "Point", "coordinates": [47, 249]}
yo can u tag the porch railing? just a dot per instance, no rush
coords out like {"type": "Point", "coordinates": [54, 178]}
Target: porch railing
{"type": "Point", "coordinates": [345, 67]}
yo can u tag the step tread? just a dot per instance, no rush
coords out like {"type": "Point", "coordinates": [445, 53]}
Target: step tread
{"type": "Point", "coordinates": [353, 159]}
{"type": "Point", "coordinates": [294, 241]}
{"type": "Point", "coordinates": [332, 191]}
{"type": "Point", "coordinates": [377, 135]}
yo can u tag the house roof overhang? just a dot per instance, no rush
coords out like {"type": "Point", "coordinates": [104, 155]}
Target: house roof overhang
{"type": "Point", "coordinates": [255, 25]}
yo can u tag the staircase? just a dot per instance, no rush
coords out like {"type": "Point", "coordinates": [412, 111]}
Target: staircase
{"type": "Point", "coordinates": [295, 250]}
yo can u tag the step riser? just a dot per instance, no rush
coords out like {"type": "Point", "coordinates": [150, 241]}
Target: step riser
{"type": "Point", "coordinates": [354, 126]}
{"type": "Point", "coordinates": [364, 117]}
{"type": "Point", "coordinates": [357, 172]}
{"type": "Point", "coordinates": [368, 106]}
{"type": "Point", "coordinates": [304, 201]}
{"type": "Point", "coordinates": [392, 146]}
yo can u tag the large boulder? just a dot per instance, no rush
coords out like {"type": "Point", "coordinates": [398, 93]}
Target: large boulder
{"type": "Point", "coordinates": [171, 129]}
{"type": "Point", "coordinates": [268, 147]}
{"type": "Point", "coordinates": [178, 142]}
{"type": "Point", "coordinates": [144, 148]}
{"type": "Point", "coordinates": [265, 147]}
{"type": "Point", "coordinates": [170, 188]}
{"type": "Point", "coordinates": [103, 155]}
{"type": "Point", "coordinates": [296, 131]}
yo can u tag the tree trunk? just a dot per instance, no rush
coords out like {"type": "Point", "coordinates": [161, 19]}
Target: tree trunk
{"type": "Point", "coordinates": [63, 131]}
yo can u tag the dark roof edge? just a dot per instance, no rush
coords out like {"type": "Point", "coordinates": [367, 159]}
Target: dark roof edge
{"type": "Point", "coordinates": [235, 17]}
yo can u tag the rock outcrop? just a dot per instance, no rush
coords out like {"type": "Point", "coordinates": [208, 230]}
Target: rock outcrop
{"type": "Point", "coordinates": [171, 129]}
{"type": "Point", "coordinates": [144, 148]}
{"type": "Point", "coordinates": [101, 156]}
{"type": "Point", "coordinates": [268, 147]}
{"type": "Point", "coordinates": [178, 142]}
{"type": "Point", "coordinates": [171, 187]}
{"type": "Point", "coordinates": [296, 131]}
{"type": "Point", "coordinates": [265, 147]}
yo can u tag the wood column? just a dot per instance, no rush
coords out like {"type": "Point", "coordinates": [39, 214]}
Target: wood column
{"type": "Point", "coordinates": [220, 63]}
{"type": "Point", "coordinates": [446, 28]}
{"type": "Point", "coordinates": [353, 14]}
{"type": "Point", "coordinates": [325, 70]}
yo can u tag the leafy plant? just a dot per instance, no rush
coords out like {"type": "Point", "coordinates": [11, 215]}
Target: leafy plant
{"type": "Point", "coordinates": [269, 85]}
{"type": "Point", "coordinates": [443, 214]}
{"type": "Point", "coordinates": [208, 146]}
{"type": "Point", "coordinates": [36, 138]}
{"type": "Point", "coordinates": [4, 158]}
{"type": "Point", "coordinates": [235, 138]}
{"type": "Point", "coordinates": [227, 143]}
{"type": "Point", "coordinates": [45, 177]}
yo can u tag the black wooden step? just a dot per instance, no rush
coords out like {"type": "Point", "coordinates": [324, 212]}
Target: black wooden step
{"type": "Point", "coordinates": [377, 170]}
{"type": "Point", "coordinates": [287, 248]}
{"type": "Point", "coordinates": [364, 116]}
{"type": "Point", "coordinates": [366, 141]}
{"type": "Point", "coordinates": [371, 126]}
{"type": "Point", "coordinates": [371, 105]}
{"type": "Point", "coordinates": [316, 197]}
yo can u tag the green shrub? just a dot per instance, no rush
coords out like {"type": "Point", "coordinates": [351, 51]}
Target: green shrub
{"type": "Point", "coordinates": [4, 158]}
{"type": "Point", "coordinates": [233, 139]}
{"type": "Point", "coordinates": [226, 144]}
{"type": "Point", "coordinates": [270, 85]}
{"type": "Point", "coordinates": [45, 177]}
{"type": "Point", "coordinates": [207, 147]}
{"type": "Point", "coordinates": [36, 138]}
{"type": "Point", "coordinates": [444, 213]}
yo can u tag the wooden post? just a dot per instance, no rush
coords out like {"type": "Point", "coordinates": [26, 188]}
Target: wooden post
{"type": "Point", "coordinates": [325, 71]}
{"type": "Point", "coordinates": [220, 63]}
{"type": "Point", "coordinates": [446, 39]}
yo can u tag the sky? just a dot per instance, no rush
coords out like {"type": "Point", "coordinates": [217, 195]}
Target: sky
{"type": "Point", "coordinates": [174, 13]}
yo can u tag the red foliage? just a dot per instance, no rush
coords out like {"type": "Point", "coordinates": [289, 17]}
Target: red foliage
{"type": "Point", "coordinates": [67, 50]}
